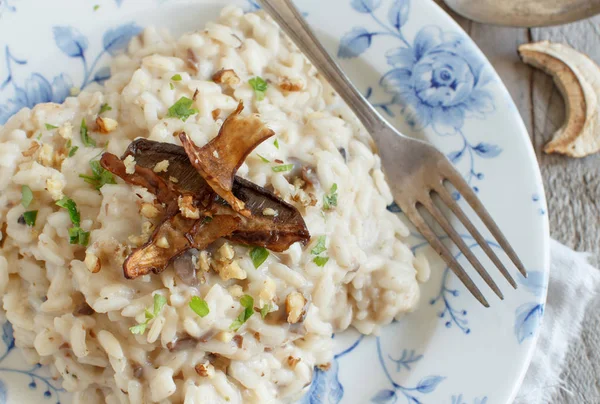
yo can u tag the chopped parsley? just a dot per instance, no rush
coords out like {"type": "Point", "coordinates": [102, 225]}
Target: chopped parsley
{"type": "Point", "coordinates": [199, 306]}
{"type": "Point", "coordinates": [85, 138]}
{"type": "Point", "coordinates": [73, 150]}
{"type": "Point", "coordinates": [265, 310]}
{"type": "Point", "coordinates": [171, 86]}
{"type": "Point", "coordinates": [283, 168]}
{"type": "Point", "coordinates": [104, 108]}
{"type": "Point", "coordinates": [50, 127]}
{"type": "Point", "coordinates": [29, 217]}
{"type": "Point", "coordinates": [176, 77]}
{"type": "Point", "coordinates": [276, 143]}
{"type": "Point", "coordinates": [181, 109]}
{"type": "Point", "coordinates": [26, 196]}
{"type": "Point", "coordinates": [247, 303]}
{"type": "Point", "coordinates": [318, 249]}
{"type": "Point", "coordinates": [100, 176]}
{"type": "Point", "coordinates": [39, 136]}
{"type": "Point", "coordinates": [76, 234]}
{"type": "Point", "coordinates": [96, 7]}
{"type": "Point", "coordinates": [258, 256]}
{"type": "Point", "coordinates": [159, 303]}
{"type": "Point", "coordinates": [331, 199]}
{"type": "Point", "coordinates": [320, 246]}
{"type": "Point", "coordinates": [259, 86]}
{"type": "Point", "coordinates": [264, 159]}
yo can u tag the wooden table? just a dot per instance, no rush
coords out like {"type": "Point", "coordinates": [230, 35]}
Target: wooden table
{"type": "Point", "coordinates": [572, 185]}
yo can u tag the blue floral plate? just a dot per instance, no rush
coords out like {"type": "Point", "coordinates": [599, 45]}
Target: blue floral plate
{"type": "Point", "coordinates": [428, 78]}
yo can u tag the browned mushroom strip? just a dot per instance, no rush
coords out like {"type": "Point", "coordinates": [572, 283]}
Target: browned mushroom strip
{"type": "Point", "coordinates": [173, 237]}
{"type": "Point", "coordinates": [218, 161]}
{"type": "Point", "coordinates": [276, 233]}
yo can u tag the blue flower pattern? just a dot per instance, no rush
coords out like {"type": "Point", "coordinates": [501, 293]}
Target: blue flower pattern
{"type": "Point", "coordinates": [528, 316]}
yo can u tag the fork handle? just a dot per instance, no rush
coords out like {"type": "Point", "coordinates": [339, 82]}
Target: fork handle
{"type": "Point", "coordinates": [293, 24]}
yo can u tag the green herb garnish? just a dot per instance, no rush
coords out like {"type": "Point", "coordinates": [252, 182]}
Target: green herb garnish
{"type": "Point", "coordinates": [96, 7]}
{"type": "Point", "coordinates": [26, 196]}
{"type": "Point", "coordinates": [73, 150]}
{"type": "Point", "coordinates": [39, 136]}
{"type": "Point", "coordinates": [199, 306]}
{"type": "Point", "coordinates": [258, 256]}
{"type": "Point", "coordinates": [104, 108]}
{"type": "Point", "coordinates": [265, 310]}
{"type": "Point", "coordinates": [321, 261]}
{"type": "Point", "coordinates": [78, 236]}
{"type": "Point", "coordinates": [29, 217]}
{"type": "Point", "coordinates": [283, 168]}
{"type": "Point", "coordinates": [50, 127]}
{"type": "Point", "coordinates": [176, 77]}
{"type": "Point", "coordinates": [85, 138]}
{"type": "Point", "coordinates": [331, 199]}
{"type": "Point", "coordinates": [100, 176]}
{"type": "Point", "coordinates": [139, 329]}
{"type": "Point", "coordinates": [264, 159]}
{"type": "Point", "coordinates": [71, 207]}
{"type": "Point", "coordinates": [248, 303]}
{"type": "Point", "coordinates": [276, 143]}
{"type": "Point", "coordinates": [259, 86]}
{"type": "Point", "coordinates": [181, 109]}
{"type": "Point", "coordinates": [320, 246]}
{"type": "Point", "coordinates": [159, 303]}
{"type": "Point", "coordinates": [171, 86]}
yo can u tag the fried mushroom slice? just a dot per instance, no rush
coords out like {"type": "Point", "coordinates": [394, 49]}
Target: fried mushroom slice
{"type": "Point", "coordinates": [173, 237]}
{"type": "Point", "coordinates": [218, 161]}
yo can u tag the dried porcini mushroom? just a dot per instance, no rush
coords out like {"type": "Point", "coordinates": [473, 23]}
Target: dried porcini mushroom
{"type": "Point", "coordinates": [218, 161]}
{"type": "Point", "coordinates": [578, 79]}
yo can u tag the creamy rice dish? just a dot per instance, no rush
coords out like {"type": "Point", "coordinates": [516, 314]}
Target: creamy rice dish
{"type": "Point", "coordinates": [141, 271]}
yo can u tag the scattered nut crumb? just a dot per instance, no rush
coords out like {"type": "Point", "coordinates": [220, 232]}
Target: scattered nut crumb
{"type": "Point", "coordinates": [106, 125]}
{"type": "Point", "coordinates": [55, 187]}
{"type": "Point", "coordinates": [270, 212]}
{"type": "Point", "coordinates": [325, 366]}
{"type": "Point", "coordinates": [32, 149]}
{"type": "Point", "coordinates": [173, 180]}
{"type": "Point", "coordinates": [149, 211]}
{"type": "Point", "coordinates": [267, 293]}
{"type": "Point", "coordinates": [216, 113]}
{"type": "Point", "coordinates": [215, 153]}
{"type": "Point", "coordinates": [66, 131]}
{"type": "Point", "coordinates": [162, 242]}
{"type": "Point", "coordinates": [292, 362]}
{"type": "Point", "coordinates": [231, 270]}
{"type": "Point", "coordinates": [226, 76]}
{"type": "Point", "coordinates": [236, 291]}
{"type": "Point", "coordinates": [239, 340]}
{"type": "Point", "coordinates": [204, 261]}
{"type": "Point", "coordinates": [257, 336]}
{"type": "Point", "coordinates": [294, 307]}
{"type": "Point", "coordinates": [195, 94]}
{"type": "Point", "coordinates": [129, 163]}
{"type": "Point", "coordinates": [288, 84]}
{"type": "Point", "coordinates": [224, 336]}
{"type": "Point", "coordinates": [187, 208]}
{"type": "Point", "coordinates": [205, 369]}
{"type": "Point", "coordinates": [225, 252]}
{"type": "Point", "coordinates": [46, 155]}
{"type": "Point", "coordinates": [92, 263]}
{"type": "Point", "coordinates": [161, 166]}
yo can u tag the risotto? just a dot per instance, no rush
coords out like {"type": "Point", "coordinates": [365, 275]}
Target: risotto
{"type": "Point", "coordinates": [231, 320]}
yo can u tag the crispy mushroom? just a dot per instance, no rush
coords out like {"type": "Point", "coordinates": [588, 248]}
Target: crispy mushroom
{"type": "Point", "coordinates": [218, 161]}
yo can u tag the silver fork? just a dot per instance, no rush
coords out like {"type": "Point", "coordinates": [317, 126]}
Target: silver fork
{"type": "Point", "coordinates": [414, 169]}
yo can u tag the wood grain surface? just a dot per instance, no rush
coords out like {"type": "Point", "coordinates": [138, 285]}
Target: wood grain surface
{"type": "Point", "coordinates": [572, 185]}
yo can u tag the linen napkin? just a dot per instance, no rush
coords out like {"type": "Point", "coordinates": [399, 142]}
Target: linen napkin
{"type": "Point", "coordinates": [573, 283]}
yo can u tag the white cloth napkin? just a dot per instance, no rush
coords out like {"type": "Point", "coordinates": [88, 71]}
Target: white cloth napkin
{"type": "Point", "coordinates": [573, 283]}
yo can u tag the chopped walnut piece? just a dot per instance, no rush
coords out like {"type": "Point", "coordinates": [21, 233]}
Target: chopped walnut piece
{"type": "Point", "coordinates": [216, 113]}
{"type": "Point", "coordinates": [205, 369]}
{"type": "Point", "coordinates": [162, 242]}
{"type": "Point", "coordinates": [231, 270]}
{"type": "Point", "coordinates": [173, 180]}
{"type": "Point", "coordinates": [46, 155]}
{"type": "Point", "coordinates": [235, 291]}
{"type": "Point", "coordinates": [225, 252]}
{"type": "Point", "coordinates": [267, 293]}
{"type": "Point", "coordinates": [325, 366]}
{"type": "Point", "coordinates": [224, 336]}
{"type": "Point", "coordinates": [239, 340]}
{"type": "Point", "coordinates": [66, 131]}
{"type": "Point", "coordinates": [226, 76]}
{"type": "Point", "coordinates": [287, 84]}
{"type": "Point", "coordinates": [161, 166]}
{"type": "Point", "coordinates": [106, 125]}
{"type": "Point", "coordinates": [187, 208]}
{"type": "Point", "coordinates": [92, 263]}
{"type": "Point", "coordinates": [294, 307]}
{"type": "Point", "coordinates": [55, 187]}
{"type": "Point", "coordinates": [129, 163]}
{"type": "Point", "coordinates": [204, 261]}
{"type": "Point", "coordinates": [149, 211]}
{"type": "Point", "coordinates": [32, 149]}
{"type": "Point", "coordinates": [292, 362]}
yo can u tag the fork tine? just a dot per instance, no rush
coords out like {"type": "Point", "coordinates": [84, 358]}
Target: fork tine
{"type": "Point", "coordinates": [458, 212]}
{"type": "Point", "coordinates": [462, 246]}
{"type": "Point", "coordinates": [415, 217]}
{"type": "Point", "coordinates": [465, 190]}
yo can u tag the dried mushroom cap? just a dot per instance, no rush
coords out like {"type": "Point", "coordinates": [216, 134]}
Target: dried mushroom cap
{"type": "Point", "coordinates": [218, 161]}
{"type": "Point", "coordinates": [578, 79]}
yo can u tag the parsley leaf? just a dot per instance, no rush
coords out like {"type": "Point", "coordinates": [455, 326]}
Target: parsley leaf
{"type": "Point", "coordinates": [29, 217]}
{"type": "Point", "coordinates": [199, 306]}
{"type": "Point", "coordinates": [331, 199]}
{"type": "Point", "coordinates": [73, 150]}
{"type": "Point", "coordinates": [50, 127]}
{"type": "Point", "coordinates": [181, 109]}
{"type": "Point", "coordinates": [259, 86]}
{"type": "Point", "coordinates": [265, 310]}
{"type": "Point", "coordinates": [258, 256]}
{"type": "Point", "coordinates": [85, 138]}
{"type": "Point", "coordinates": [171, 86]}
{"type": "Point", "coordinates": [321, 261]}
{"type": "Point", "coordinates": [101, 176]}
{"type": "Point", "coordinates": [276, 143]}
{"type": "Point", "coordinates": [176, 77]}
{"type": "Point", "coordinates": [139, 329]}
{"type": "Point", "coordinates": [248, 303]}
{"type": "Point", "coordinates": [320, 246]}
{"type": "Point", "coordinates": [78, 236]}
{"type": "Point", "coordinates": [264, 159]}
{"type": "Point", "coordinates": [71, 207]}
{"type": "Point", "coordinates": [96, 7]}
{"type": "Point", "coordinates": [283, 168]}
{"type": "Point", "coordinates": [26, 196]}
{"type": "Point", "coordinates": [104, 108]}
{"type": "Point", "coordinates": [159, 303]}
